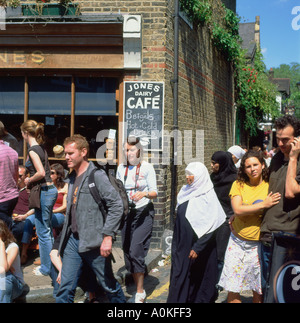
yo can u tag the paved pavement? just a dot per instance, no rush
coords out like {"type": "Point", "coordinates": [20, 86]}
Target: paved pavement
{"type": "Point", "coordinates": [156, 282]}
{"type": "Point", "coordinates": [41, 286]}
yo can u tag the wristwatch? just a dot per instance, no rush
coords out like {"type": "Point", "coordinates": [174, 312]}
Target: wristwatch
{"type": "Point", "coordinates": [147, 195]}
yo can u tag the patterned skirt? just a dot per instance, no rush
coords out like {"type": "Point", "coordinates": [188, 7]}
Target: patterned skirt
{"type": "Point", "coordinates": [241, 269]}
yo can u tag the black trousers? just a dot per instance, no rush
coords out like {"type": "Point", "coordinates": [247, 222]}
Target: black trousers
{"type": "Point", "coordinates": [136, 236]}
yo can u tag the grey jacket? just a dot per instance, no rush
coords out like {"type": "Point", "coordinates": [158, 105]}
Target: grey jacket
{"type": "Point", "coordinates": [88, 216]}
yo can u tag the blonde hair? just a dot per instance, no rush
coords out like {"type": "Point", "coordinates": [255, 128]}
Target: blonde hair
{"type": "Point", "coordinates": [34, 129]}
{"type": "Point", "coordinates": [80, 142]}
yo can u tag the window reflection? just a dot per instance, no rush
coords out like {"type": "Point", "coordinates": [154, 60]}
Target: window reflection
{"type": "Point", "coordinates": [89, 126]}
{"type": "Point", "coordinates": [50, 102]}
{"type": "Point", "coordinates": [12, 95]}
{"type": "Point", "coordinates": [49, 95]}
{"type": "Point", "coordinates": [12, 125]}
{"type": "Point", "coordinates": [95, 96]}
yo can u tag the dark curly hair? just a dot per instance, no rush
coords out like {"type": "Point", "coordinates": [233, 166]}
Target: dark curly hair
{"type": "Point", "coordinates": [5, 234]}
{"type": "Point", "coordinates": [287, 120]}
{"type": "Point", "coordinates": [58, 168]}
{"type": "Point", "coordinates": [242, 176]}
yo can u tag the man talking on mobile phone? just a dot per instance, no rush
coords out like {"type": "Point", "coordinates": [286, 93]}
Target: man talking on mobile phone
{"type": "Point", "coordinates": [284, 177]}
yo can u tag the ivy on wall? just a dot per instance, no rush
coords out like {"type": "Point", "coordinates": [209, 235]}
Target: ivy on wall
{"type": "Point", "coordinates": [255, 94]}
{"type": "Point", "coordinates": [222, 22]}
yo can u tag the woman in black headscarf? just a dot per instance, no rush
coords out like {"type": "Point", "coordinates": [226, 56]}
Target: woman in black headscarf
{"type": "Point", "coordinates": [223, 175]}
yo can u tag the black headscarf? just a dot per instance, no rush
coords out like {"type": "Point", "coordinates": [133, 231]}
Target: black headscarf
{"type": "Point", "coordinates": [224, 178]}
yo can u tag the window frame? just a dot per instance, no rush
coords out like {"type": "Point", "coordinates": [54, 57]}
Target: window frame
{"type": "Point", "coordinates": [74, 74]}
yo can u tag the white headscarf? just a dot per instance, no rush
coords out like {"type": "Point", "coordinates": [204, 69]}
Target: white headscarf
{"type": "Point", "coordinates": [204, 211]}
{"type": "Point", "coordinates": [237, 151]}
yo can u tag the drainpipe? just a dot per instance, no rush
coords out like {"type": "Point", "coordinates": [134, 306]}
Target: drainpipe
{"type": "Point", "coordinates": [175, 115]}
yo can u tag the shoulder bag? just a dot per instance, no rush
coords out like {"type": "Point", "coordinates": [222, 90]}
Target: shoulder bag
{"type": "Point", "coordinates": [35, 192]}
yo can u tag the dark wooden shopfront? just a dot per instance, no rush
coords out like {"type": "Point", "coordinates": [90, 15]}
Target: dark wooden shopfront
{"type": "Point", "coordinates": [66, 74]}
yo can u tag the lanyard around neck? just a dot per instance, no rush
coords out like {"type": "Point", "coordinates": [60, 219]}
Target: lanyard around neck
{"type": "Point", "coordinates": [137, 174]}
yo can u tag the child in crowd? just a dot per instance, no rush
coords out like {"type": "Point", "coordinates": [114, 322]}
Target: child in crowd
{"type": "Point", "coordinates": [249, 198]}
{"type": "Point", "coordinates": [11, 276]}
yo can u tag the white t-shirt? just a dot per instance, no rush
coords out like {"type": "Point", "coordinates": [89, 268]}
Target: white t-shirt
{"type": "Point", "coordinates": [146, 181]}
{"type": "Point", "coordinates": [17, 263]}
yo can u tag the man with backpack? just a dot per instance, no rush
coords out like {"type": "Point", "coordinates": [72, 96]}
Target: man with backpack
{"type": "Point", "coordinates": [85, 236]}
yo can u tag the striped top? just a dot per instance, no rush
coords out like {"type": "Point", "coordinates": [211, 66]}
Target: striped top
{"type": "Point", "coordinates": [9, 173]}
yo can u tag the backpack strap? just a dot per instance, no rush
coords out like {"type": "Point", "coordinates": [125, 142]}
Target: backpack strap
{"type": "Point", "coordinates": [95, 193]}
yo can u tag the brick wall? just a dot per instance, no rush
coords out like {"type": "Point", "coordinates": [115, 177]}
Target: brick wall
{"type": "Point", "coordinates": [206, 94]}
{"type": "Point", "coordinates": [205, 85]}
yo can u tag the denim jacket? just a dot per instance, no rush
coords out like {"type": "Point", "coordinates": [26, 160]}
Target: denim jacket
{"type": "Point", "coordinates": [88, 216]}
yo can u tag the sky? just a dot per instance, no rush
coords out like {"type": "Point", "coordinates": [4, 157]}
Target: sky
{"type": "Point", "coordinates": [279, 28]}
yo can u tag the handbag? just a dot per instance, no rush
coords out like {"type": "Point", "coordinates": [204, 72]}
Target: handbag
{"type": "Point", "coordinates": [34, 201]}
{"type": "Point", "coordinates": [34, 197]}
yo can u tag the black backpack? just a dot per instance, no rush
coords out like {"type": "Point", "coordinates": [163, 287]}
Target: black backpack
{"type": "Point", "coordinates": [118, 186]}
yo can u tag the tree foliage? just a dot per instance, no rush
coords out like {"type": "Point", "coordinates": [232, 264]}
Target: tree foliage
{"type": "Point", "coordinates": [291, 71]}
{"type": "Point", "coordinates": [222, 22]}
{"type": "Point", "coordinates": [255, 94]}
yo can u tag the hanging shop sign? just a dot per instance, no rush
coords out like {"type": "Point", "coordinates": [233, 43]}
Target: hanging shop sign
{"type": "Point", "coordinates": [144, 112]}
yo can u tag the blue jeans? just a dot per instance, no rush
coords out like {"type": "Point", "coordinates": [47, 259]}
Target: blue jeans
{"type": "Point", "coordinates": [71, 271]}
{"type": "Point", "coordinates": [265, 253]}
{"type": "Point", "coordinates": [13, 288]}
{"type": "Point", "coordinates": [43, 225]}
{"type": "Point", "coordinates": [57, 222]}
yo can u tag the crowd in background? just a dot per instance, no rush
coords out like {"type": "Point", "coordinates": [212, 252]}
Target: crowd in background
{"type": "Point", "coordinates": [74, 233]}
{"type": "Point", "coordinates": [229, 248]}
{"type": "Point", "coordinates": [225, 217]}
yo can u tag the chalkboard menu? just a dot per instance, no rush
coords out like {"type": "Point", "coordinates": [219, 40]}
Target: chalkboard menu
{"type": "Point", "coordinates": [144, 112]}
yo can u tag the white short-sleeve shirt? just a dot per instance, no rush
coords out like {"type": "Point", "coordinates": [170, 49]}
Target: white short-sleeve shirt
{"type": "Point", "coordinates": [146, 181]}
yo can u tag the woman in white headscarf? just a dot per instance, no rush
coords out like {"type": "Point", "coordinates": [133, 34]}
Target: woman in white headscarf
{"type": "Point", "coordinates": [237, 153]}
{"type": "Point", "coordinates": [194, 270]}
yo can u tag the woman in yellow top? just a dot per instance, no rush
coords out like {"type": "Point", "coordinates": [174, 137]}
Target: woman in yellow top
{"type": "Point", "coordinates": [249, 198]}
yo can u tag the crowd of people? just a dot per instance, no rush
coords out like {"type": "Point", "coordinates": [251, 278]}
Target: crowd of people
{"type": "Point", "coordinates": [225, 218]}
{"type": "Point", "coordinates": [79, 252]}
{"type": "Point", "coordinates": [258, 198]}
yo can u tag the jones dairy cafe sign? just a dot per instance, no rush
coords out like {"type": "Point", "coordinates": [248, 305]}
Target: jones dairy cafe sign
{"type": "Point", "coordinates": [144, 112]}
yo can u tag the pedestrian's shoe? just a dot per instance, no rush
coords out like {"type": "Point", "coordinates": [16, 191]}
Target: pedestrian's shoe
{"type": "Point", "coordinates": [140, 297]}
{"type": "Point", "coordinates": [37, 272]}
{"type": "Point", "coordinates": [37, 262]}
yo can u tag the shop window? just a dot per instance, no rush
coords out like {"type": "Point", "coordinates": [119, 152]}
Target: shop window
{"type": "Point", "coordinates": [92, 109]}
{"type": "Point", "coordinates": [95, 96]}
{"type": "Point", "coordinates": [12, 108]}
{"type": "Point", "coordinates": [49, 96]}
{"type": "Point", "coordinates": [95, 108]}
{"type": "Point", "coordinates": [11, 95]}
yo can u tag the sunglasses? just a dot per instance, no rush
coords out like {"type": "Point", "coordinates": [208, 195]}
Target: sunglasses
{"type": "Point", "coordinates": [53, 172]}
